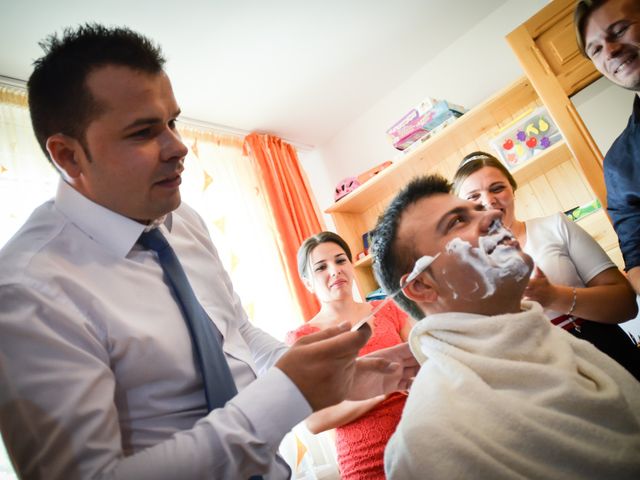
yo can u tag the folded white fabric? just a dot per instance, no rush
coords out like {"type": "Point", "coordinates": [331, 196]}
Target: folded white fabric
{"type": "Point", "coordinates": [512, 396]}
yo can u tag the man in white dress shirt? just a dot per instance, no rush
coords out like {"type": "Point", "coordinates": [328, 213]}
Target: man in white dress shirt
{"type": "Point", "coordinates": [97, 371]}
{"type": "Point", "coordinates": [502, 392]}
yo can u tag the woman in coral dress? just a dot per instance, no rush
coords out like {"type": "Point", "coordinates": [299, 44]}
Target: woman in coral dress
{"type": "Point", "coordinates": [362, 428]}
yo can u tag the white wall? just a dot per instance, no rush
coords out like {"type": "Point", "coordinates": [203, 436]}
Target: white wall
{"type": "Point", "coordinates": [318, 176]}
{"type": "Point", "coordinates": [471, 69]}
{"type": "Point", "coordinates": [605, 109]}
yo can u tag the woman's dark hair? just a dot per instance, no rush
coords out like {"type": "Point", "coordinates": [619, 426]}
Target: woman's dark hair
{"type": "Point", "coordinates": [304, 252]}
{"type": "Point", "coordinates": [59, 99]}
{"type": "Point", "coordinates": [475, 161]}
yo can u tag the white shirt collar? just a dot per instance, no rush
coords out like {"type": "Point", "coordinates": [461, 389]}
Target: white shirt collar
{"type": "Point", "coordinates": [110, 229]}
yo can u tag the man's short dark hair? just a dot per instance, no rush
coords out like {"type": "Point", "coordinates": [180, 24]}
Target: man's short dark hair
{"type": "Point", "coordinates": [390, 260]}
{"type": "Point", "coordinates": [59, 99]}
{"type": "Point", "coordinates": [584, 8]}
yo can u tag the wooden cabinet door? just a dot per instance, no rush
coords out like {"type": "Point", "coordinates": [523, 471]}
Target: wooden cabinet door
{"type": "Point", "coordinates": [546, 48]}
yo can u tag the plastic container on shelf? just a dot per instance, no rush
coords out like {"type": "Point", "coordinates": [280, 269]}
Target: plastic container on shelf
{"type": "Point", "coordinates": [408, 128]}
{"type": "Point", "coordinates": [378, 294]}
{"type": "Point", "coordinates": [524, 137]}
{"type": "Point", "coordinates": [422, 121]}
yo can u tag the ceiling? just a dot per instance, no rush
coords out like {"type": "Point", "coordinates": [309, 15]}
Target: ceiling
{"type": "Point", "coordinates": [301, 69]}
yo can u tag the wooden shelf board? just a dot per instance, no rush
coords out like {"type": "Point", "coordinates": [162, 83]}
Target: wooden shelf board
{"type": "Point", "coordinates": [389, 180]}
{"type": "Point", "coordinates": [554, 155]}
{"type": "Point", "coordinates": [365, 261]}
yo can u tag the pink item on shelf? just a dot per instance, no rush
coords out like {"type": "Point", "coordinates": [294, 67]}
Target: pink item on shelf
{"type": "Point", "coordinates": [419, 123]}
{"type": "Point", "coordinates": [346, 186]}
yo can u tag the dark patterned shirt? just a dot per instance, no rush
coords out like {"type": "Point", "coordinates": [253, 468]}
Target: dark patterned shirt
{"type": "Point", "coordinates": [622, 176]}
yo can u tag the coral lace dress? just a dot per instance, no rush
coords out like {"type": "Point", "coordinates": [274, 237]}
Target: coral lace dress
{"type": "Point", "coordinates": [360, 444]}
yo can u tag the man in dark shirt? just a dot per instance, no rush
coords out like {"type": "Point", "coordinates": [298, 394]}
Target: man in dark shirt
{"type": "Point", "coordinates": [608, 33]}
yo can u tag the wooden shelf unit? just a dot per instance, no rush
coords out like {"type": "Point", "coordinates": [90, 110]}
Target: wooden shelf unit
{"type": "Point", "coordinates": [546, 48]}
{"type": "Point", "coordinates": [441, 151]}
{"type": "Point", "coordinates": [550, 182]}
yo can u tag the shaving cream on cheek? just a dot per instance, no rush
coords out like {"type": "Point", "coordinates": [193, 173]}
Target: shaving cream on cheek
{"type": "Point", "coordinates": [505, 256]}
{"type": "Point", "coordinates": [470, 256]}
{"type": "Point", "coordinates": [451, 286]}
{"type": "Point", "coordinates": [502, 262]}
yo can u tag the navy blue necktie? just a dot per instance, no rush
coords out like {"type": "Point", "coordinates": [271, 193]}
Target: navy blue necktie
{"type": "Point", "coordinates": [219, 386]}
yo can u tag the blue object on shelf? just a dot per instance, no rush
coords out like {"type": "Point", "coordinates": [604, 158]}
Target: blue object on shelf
{"type": "Point", "coordinates": [376, 295]}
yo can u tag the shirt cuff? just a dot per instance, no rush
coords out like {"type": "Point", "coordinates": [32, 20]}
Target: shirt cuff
{"type": "Point", "coordinates": [273, 404]}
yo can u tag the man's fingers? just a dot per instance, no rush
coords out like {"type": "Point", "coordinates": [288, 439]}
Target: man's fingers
{"type": "Point", "coordinates": [405, 384]}
{"type": "Point", "coordinates": [398, 353]}
{"type": "Point", "coordinates": [347, 344]}
{"type": "Point", "coordinates": [380, 365]}
{"type": "Point", "coordinates": [392, 368]}
{"type": "Point", "coordinates": [410, 372]}
{"type": "Point", "coordinates": [323, 334]}
{"type": "Point", "coordinates": [338, 344]}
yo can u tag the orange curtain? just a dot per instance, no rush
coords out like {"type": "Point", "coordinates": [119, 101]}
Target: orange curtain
{"type": "Point", "coordinates": [289, 202]}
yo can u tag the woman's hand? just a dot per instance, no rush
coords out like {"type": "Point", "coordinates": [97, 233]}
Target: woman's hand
{"type": "Point", "coordinates": [607, 297]}
{"type": "Point", "coordinates": [540, 289]}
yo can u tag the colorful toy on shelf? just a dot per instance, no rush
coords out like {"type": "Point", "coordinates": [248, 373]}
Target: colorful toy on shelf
{"type": "Point", "coordinates": [376, 295]}
{"type": "Point", "coordinates": [346, 185]}
{"type": "Point", "coordinates": [349, 184]}
{"type": "Point", "coordinates": [525, 136]}
{"type": "Point", "coordinates": [408, 129]}
{"type": "Point", "coordinates": [421, 122]}
{"type": "Point", "coordinates": [366, 241]}
{"type": "Point", "coordinates": [582, 211]}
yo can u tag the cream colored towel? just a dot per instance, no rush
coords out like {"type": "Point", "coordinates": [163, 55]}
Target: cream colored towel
{"type": "Point", "coordinates": [512, 396]}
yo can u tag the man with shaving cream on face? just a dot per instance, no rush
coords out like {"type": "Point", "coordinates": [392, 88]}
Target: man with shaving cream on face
{"type": "Point", "coordinates": [501, 392]}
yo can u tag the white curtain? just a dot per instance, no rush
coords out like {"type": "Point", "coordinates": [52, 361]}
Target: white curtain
{"type": "Point", "coordinates": [26, 178]}
{"type": "Point", "coordinates": [221, 184]}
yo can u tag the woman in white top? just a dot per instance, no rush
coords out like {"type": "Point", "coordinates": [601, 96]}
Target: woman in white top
{"type": "Point", "coordinates": [574, 280]}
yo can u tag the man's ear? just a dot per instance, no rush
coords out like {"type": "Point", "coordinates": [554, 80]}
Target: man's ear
{"type": "Point", "coordinates": [66, 153]}
{"type": "Point", "coordinates": [421, 290]}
